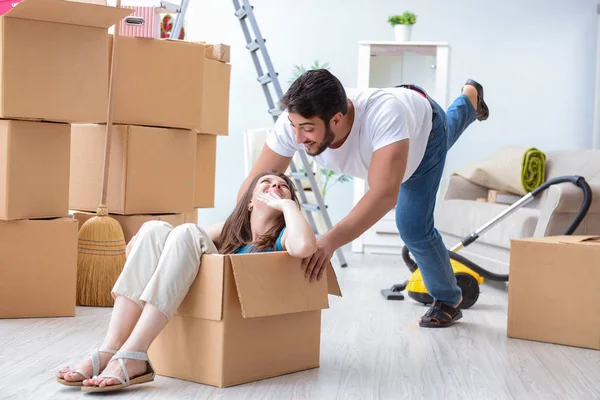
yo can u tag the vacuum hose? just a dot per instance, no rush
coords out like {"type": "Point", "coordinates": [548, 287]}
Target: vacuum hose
{"type": "Point", "coordinates": [585, 206]}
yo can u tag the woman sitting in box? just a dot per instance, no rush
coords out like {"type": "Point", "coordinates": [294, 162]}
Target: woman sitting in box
{"type": "Point", "coordinates": [162, 263]}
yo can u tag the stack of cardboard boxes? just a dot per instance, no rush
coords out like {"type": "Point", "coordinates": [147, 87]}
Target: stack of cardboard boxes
{"type": "Point", "coordinates": [171, 102]}
{"type": "Point", "coordinates": [246, 317]}
{"type": "Point", "coordinates": [53, 73]}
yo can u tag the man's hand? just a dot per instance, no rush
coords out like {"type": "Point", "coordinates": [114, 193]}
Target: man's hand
{"type": "Point", "coordinates": [315, 265]}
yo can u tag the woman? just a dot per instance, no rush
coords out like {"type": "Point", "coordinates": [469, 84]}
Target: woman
{"type": "Point", "coordinates": [162, 262]}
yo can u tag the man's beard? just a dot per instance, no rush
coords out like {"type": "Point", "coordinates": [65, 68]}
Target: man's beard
{"type": "Point", "coordinates": [327, 140]}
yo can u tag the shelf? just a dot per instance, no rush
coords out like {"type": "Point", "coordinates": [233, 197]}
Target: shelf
{"type": "Point", "coordinates": [395, 48]}
{"type": "Point", "coordinates": [383, 236]}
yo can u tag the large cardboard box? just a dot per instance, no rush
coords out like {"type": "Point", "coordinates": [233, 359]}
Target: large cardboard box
{"type": "Point", "coordinates": [215, 98]}
{"type": "Point", "coordinates": [204, 181]}
{"type": "Point", "coordinates": [192, 93]}
{"type": "Point", "coordinates": [160, 82]}
{"type": "Point", "coordinates": [131, 224]}
{"type": "Point", "coordinates": [151, 169]}
{"type": "Point", "coordinates": [38, 268]}
{"type": "Point", "coordinates": [54, 62]}
{"type": "Point", "coordinates": [34, 169]}
{"type": "Point", "coordinates": [246, 317]}
{"type": "Point", "coordinates": [554, 290]}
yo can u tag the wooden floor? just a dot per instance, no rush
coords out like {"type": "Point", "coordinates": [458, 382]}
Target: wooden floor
{"type": "Point", "coordinates": [371, 349]}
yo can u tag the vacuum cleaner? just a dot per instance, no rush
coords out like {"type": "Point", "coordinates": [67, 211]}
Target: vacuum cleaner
{"type": "Point", "coordinates": [470, 275]}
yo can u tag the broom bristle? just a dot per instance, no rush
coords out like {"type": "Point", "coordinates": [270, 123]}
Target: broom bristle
{"type": "Point", "coordinates": [100, 260]}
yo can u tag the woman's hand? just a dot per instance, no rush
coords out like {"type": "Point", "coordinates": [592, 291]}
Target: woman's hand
{"type": "Point", "coordinates": [274, 201]}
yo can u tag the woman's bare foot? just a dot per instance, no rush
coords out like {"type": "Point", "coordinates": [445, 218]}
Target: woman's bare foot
{"type": "Point", "coordinates": [84, 366]}
{"type": "Point", "coordinates": [135, 368]}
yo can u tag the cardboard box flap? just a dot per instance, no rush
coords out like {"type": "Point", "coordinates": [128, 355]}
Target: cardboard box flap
{"type": "Point", "coordinates": [333, 286]}
{"type": "Point", "coordinates": [591, 240]}
{"type": "Point", "coordinates": [204, 300]}
{"type": "Point", "coordinates": [274, 284]}
{"type": "Point", "coordinates": [68, 12]}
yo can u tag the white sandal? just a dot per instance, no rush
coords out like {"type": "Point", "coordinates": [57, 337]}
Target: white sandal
{"type": "Point", "coordinates": [128, 355]}
{"type": "Point", "coordinates": [95, 368]}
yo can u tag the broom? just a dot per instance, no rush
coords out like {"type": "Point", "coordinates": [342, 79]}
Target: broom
{"type": "Point", "coordinates": [101, 243]}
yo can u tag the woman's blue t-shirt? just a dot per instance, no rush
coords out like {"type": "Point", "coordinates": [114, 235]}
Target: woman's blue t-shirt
{"type": "Point", "coordinates": [248, 248]}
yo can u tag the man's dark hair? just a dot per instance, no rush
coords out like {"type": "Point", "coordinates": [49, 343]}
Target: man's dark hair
{"type": "Point", "coordinates": [316, 93]}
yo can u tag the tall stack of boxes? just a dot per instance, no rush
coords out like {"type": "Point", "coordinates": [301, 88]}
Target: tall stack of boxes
{"type": "Point", "coordinates": [171, 102]}
{"type": "Point", "coordinates": [54, 73]}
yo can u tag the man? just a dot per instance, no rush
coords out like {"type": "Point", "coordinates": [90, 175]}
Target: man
{"type": "Point", "coordinates": [396, 139]}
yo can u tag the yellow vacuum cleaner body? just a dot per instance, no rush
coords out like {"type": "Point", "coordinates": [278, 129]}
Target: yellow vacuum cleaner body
{"type": "Point", "coordinates": [467, 279]}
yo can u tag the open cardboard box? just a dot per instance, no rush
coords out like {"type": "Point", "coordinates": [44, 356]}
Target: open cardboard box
{"type": "Point", "coordinates": [54, 62]}
{"type": "Point", "coordinates": [246, 317]}
{"type": "Point", "coordinates": [554, 290]}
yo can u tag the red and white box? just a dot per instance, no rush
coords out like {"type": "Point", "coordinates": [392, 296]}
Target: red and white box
{"type": "Point", "coordinates": [143, 22]}
{"type": "Point", "coordinates": [7, 5]}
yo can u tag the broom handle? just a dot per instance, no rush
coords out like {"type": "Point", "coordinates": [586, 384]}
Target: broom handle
{"type": "Point", "coordinates": [109, 117]}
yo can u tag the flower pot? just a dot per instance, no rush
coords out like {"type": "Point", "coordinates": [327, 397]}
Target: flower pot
{"type": "Point", "coordinates": [402, 32]}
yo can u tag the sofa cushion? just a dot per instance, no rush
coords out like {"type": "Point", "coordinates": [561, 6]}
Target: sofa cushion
{"type": "Point", "coordinates": [462, 217]}
{"type": "Point", "coordinates": [585, 163]}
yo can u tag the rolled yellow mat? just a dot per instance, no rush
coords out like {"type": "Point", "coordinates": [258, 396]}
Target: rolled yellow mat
{"type": "Point", "coordinates": [533, 169]}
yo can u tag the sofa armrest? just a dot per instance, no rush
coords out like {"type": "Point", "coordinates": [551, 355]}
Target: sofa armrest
{"type": "Point", "coordinates": [560, 205]}
{"type": "Point", "coordinates": [457, 187]}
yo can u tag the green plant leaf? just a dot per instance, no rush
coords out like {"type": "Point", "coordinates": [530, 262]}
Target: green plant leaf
{"type": "Point", "coordinates": [406, 18]}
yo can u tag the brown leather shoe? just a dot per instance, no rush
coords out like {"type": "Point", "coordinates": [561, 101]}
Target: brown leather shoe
{"type": "Point", "coordinates": [483, 111]}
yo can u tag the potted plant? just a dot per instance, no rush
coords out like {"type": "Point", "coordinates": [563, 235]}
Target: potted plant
{"type": "Point", "coordinates": [403, 25]}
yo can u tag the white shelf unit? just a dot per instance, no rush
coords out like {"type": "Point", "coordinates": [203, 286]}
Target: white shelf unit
{"type": "Point", "coordinates": [386, 64]}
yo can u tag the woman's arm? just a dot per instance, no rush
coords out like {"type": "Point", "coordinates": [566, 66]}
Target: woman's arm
{"type": "Point", "coordinates": [214, 231]}
{"type": "Point", "coordinates": [298, 238]}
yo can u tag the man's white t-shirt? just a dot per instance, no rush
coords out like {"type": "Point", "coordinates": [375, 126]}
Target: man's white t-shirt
{"type": "Point", "coordinates": [381, 117]}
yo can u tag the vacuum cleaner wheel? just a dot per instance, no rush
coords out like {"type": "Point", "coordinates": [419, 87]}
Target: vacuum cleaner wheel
{"type": "Point", "coordinates": [470, 289]}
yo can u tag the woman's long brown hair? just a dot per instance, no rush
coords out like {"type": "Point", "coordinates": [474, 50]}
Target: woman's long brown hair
{"type": "Point", "coordinates": [237, 231]}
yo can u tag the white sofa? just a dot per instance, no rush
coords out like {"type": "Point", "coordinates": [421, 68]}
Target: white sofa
{"type": "Point", "coordinates": [458, 213]}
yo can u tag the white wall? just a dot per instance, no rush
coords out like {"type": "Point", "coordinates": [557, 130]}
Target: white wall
{"type": "Point", "coordinates": [536, 59]}
{"type": "Point", "coordinates": [597, 95]}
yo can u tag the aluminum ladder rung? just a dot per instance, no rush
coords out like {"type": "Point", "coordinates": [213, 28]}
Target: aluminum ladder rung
{"type": "Point", "coordinates": [170, 7]}
{"type": "Point", "coordinates": [241, 12]}
{"type": "Point", "coordinates": [252, 46]}
{"type": "Point", "coordinates": [311, 207]}
{"type": "Point", "coordinates": [275, 112]}
{"type": "Point", "coordinates": [266, 78]}
{"type": "Point", "coordinates": [300, 175]}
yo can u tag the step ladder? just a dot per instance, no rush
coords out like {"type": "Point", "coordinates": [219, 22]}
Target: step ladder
{"type": "Point", "coordinates": [180, 10]}
{"type": "Point", "coordinates": [244, 12]}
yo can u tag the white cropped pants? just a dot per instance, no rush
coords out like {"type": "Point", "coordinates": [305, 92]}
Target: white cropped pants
{"type": "Point", "coordinates": [162, 264]}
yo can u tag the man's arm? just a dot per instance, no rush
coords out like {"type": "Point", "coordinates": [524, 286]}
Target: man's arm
{"type": "Point", "coordinates": [267, 161]}
{"type": "Point", "coordinates": [386, 172]}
